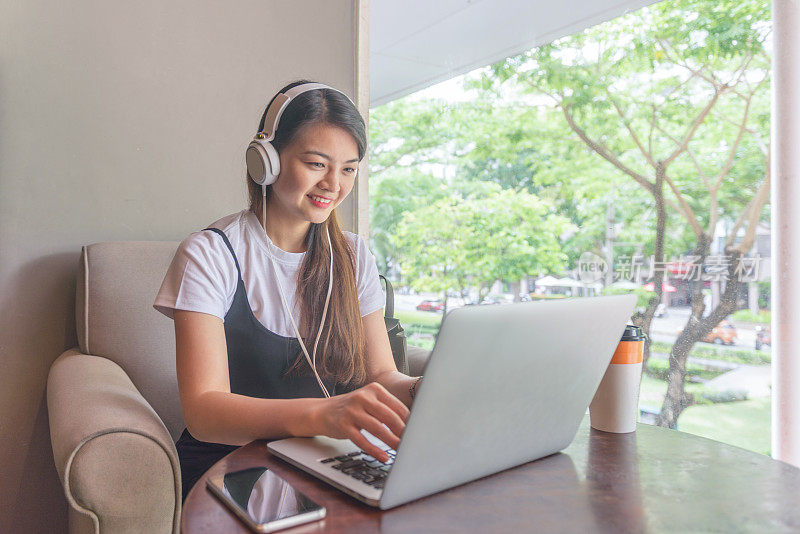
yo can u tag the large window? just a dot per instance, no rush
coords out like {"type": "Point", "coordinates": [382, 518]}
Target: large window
{"type": "Point", "coordinates": [639, 148]}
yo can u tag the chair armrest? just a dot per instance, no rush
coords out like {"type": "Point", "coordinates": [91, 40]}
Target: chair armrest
{"type": "Point", "coordinates": [114, 456]}
{"type": "Point", "coordinates": [417, 358]}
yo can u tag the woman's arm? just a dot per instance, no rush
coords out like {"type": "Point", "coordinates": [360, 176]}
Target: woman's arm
{"type": "Point", "coordinates": [380, 362]}
{"type": "Point", "coordinates": [212, 413]}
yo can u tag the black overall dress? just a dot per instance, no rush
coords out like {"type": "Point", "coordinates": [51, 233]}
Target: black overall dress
{"type": "Point", "coordinates": [257, 362]}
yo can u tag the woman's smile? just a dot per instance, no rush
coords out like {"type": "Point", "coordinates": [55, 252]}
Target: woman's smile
{"type": "Point", "coordinates": [320, 202]}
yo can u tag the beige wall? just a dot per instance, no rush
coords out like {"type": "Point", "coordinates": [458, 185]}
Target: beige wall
{"type": "Point", "coordinates": [123, 121]}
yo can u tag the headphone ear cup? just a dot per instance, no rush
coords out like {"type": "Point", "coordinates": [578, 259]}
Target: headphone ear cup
{"type": "Point", "coordinates": [263, 162]}
{"type": "Point", "coordinates": [274, 163]}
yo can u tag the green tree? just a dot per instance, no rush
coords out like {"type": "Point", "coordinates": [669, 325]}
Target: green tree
{"type": "Point", "coordinates": [407, 135]}
{"type": "Point", "coordinates": [529, 147]}
{"type": "Point", "coordinates": [485, 235]}
{"type": "Point", "coordinates": [679, 105]}
{"type": "Point", "coordinates": [409, 132]}
{"type": "Point", "coordinates": [396, 192]}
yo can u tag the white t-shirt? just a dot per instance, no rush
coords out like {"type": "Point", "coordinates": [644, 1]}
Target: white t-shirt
{"type": "Point", "coordinates": [203, 277]}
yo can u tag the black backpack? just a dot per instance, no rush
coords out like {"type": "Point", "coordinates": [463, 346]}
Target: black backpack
{"type": "Point", "coordinates": [397, 336]}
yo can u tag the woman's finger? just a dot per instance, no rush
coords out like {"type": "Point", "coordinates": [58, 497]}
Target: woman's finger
{"type": "Point", "coordinates": [387, 416]}
{"type": "Point", "coordinates": [355, 435]}
{"type": "Point", "coordinates": [394, 403]}
{"type": "Point", "coordinates": [377, 429]}
{"type": "Point", "coordinates": [379, 392]}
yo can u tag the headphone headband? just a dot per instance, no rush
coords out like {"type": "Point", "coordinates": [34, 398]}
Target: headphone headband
{"type": "Point", "coordinates": [280, 103]}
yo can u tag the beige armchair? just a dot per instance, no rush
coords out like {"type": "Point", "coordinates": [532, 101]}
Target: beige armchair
{"type": "Point", "coordinates": [113, 401]}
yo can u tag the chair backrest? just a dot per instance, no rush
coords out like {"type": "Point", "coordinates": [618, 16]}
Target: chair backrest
{"type": "Point", "coordinates": [117, 283]}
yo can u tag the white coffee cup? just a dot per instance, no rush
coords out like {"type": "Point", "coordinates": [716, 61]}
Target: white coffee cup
{"type": "Point", "coordinates": [615, 407]}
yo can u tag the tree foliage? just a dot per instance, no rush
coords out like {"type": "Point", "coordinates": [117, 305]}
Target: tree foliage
{"type": "Point", "coordinates": [488, 234]}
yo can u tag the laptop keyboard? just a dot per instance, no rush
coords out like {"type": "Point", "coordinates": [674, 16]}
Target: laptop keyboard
{"type": "Point", "coordinates": [363, 467]}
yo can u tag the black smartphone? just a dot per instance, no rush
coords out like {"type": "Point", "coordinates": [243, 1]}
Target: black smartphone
{"type": "Point", "coordinates": [263, 500]}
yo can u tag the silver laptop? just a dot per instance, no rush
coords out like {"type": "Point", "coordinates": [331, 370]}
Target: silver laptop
{"type": "Point", "coordinates": [504, 385]}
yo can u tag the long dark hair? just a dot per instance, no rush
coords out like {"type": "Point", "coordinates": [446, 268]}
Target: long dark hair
{"type": "Point", "coordinates": [341, 354]}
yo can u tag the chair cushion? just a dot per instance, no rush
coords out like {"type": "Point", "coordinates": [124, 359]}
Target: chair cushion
{"type": "Point", "coordinates": [117, 283]}
{"type": "Point", "coordinates": [417, 360]}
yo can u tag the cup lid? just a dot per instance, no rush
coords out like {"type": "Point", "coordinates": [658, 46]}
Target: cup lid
{"type": "Point", "coordinates": [632, 333]}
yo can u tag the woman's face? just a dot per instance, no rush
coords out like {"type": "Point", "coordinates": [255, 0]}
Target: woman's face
{"type": "Point", "coordinates": [318, 171]}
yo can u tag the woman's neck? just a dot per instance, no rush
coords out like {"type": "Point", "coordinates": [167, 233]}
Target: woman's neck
{"type": "Point", "coordinates": [287, 236]}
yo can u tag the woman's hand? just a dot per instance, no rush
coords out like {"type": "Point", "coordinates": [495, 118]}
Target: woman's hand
{"type": "Point", "coordinates": [368, 408]}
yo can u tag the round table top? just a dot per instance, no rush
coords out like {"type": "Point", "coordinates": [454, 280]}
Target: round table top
{"type": "Point", "coordinates": [653, 480]}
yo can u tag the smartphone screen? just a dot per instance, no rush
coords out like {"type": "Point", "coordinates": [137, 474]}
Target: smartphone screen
{"type": "Point", "coordinates": [264, 500]}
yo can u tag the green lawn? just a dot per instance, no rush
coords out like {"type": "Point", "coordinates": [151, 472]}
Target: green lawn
{"type": "Point", "coordinates": [420, 326]}
{"type": "Point", "coordinates": [711, 352]}
{"type": "Point", "coordinates": [746, 316]}
{"type": "Point", "coordinates": [651, 392]}
{"type": "Point", "coordinates": [745, 424]}
{"type": "Point", "coordinates": [409, 319]}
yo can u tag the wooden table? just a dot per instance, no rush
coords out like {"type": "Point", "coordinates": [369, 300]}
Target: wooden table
{"type": "Point", "coordinates": [654, 480]}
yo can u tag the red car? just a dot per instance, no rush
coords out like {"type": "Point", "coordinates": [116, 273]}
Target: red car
{"type": "Point", "coordinates": [724, 333]}
{"type": "Point", "coordinates": [431, 305]}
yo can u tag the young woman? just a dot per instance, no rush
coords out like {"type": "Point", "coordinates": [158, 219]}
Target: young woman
{"type": "Point", "coordinates": [279, 313]}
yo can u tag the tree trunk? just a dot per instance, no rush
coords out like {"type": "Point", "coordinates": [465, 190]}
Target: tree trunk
{"type": "Point", "coordinates": [696, 328]}
{"type": "Point", "coordinates": [461, 290]}
{"type": "Point", "coordinates": [483, 290]}
{"type": "Point", "coordinates": [645, 319]}
{"type": "Point", "coordinates": [514, 285]}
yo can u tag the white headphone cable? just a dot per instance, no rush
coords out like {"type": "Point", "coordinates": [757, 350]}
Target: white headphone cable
{"type": "Point", "coordinates": [311, 361]}
{"type": "Point", "coordinates": [327, 299]}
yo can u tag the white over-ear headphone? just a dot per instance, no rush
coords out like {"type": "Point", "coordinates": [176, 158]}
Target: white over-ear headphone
{"type": "Point", "coordinates": [263, 167]}
{"type": "Point", "coordinates": [263, 163]}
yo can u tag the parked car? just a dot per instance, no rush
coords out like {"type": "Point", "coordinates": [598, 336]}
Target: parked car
{"type": "Point", "coordinates": [491, 300]}
{"type": "Point", "coordinates": [661, 310]}
{"type": "Point", "coordinates": [763, 336]}
{"type": "Point", "coordinates": [722, 334]}
{"type": "Point", "coordinates": [431, 305]}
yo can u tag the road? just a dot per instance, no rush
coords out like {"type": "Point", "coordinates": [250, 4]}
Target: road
{"type": "Point", "coordinates": [755, 380]}
{"type": "Point", "coordinates": [664, 329]}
